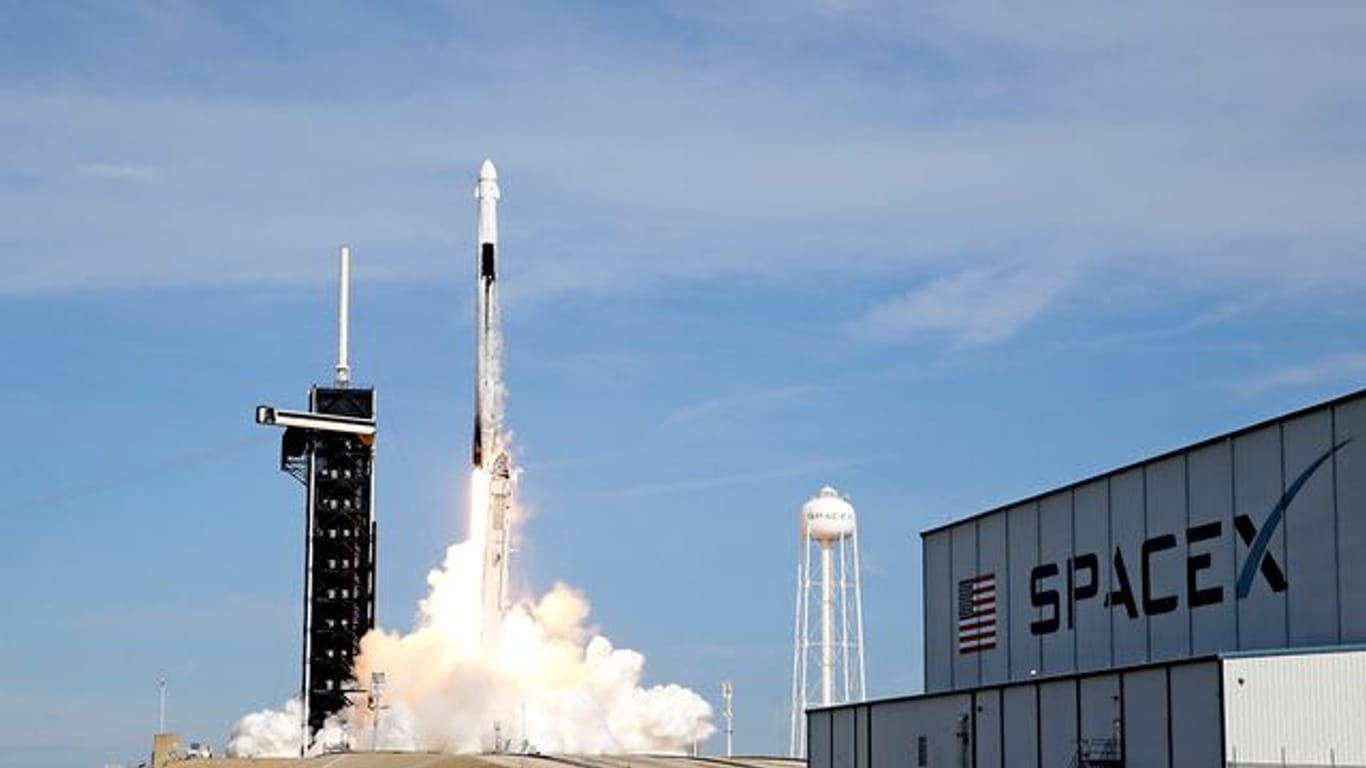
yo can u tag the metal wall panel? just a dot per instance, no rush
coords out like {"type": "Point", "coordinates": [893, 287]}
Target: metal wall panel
{"type": "Point", "coordinates": [1349, 468]}
{"type": "Point", "coordinates": [987, 730]}
{"type": "Point", "coordinates": [1022, 533]}
{"type": "Point", "coordinates": [1055, 546]}
{"type": "Point", "coordinates": [1196, 715]}
{"type": "Point", "coordinates": [1214, 627]}
{"type": "Point", "coordinates": [1168, 630]}
{"type": "Point", "coordinates": [946, 720]}
{"type": "Point", "coordinates": [1145, 718]}
{"type": "Point", "coordinates": [964, 559]}
{"type": "Point", "coordinates": [1128, 626]}
{"type": "Point", "coordinates": [939, 592]}
{"type": "Point", "coordinates": [1312, 599]}
{"type": "Point", "coordinates": [1100, 707]}
{"type": "Point", "coordinates": [893, 741]}
{"type": "Point", "coordinates": [1019, 715]}
{"type": "Point", "coordinates": [1257, 487]}
{"type": "Point", "coordinates": [897, 726]}
{"type": "Point", "coordinates": [1312, 706]}
{"type": "Point", "coordinates": [862, 758]}
{"type": "Point", "coordinates": [1091, 619]}
{"type": "Point", "coordinates": [991, 549]}
{"type": "Point", "coordinates": [1057, 722]}
{"type": "Point", "coordinates": [818, 751]}
{"type": "Point", "coordinates": [842, 738]}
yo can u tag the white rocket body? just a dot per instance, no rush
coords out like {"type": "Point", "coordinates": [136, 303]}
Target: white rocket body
{"type": "Point", "coordinates": [490, 444]}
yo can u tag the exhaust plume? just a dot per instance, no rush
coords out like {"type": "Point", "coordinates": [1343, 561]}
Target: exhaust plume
{"type": "Point", "coordinates": [551, 684]}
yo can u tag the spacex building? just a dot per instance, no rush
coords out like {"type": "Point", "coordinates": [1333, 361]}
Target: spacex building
{"type": "Point", "coordinates": [1205, 607]}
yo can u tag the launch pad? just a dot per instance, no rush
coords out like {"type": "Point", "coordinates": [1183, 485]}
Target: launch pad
{"type": "Point", "coordinates": [511, 760]}
{"type": "Point", "coordinates": [330, 449]}
{"type": "Point", "coordinates": [455, 680]}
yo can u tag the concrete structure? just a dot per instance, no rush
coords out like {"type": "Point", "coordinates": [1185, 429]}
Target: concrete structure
{"type": "Point", "coordinates": [1199, 608]}
{"type": "Point", "coordinates": [165, 749]}
{"type": "Point", "coordinates": [827, 667]}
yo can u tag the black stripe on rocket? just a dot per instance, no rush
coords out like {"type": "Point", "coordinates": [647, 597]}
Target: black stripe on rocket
{"type": "Point", "coordinates": [487, 274]}
{"type": "Point", "coordinates": [486, 261]}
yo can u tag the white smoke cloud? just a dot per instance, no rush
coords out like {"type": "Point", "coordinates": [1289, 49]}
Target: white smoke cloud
{"type": "Point", "coordinates": [277, 733]}
{"type": "Point", "coordinates": [268, 733]}
{"type": "Point", "coordinates": [551, 684]}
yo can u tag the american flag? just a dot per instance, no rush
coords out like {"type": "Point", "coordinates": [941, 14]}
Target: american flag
{"type": "Point", "coordinates": [977, 613]}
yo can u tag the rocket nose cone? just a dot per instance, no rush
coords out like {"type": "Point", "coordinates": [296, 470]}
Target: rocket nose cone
{"type": "Point", "coordinates": [487, 171]}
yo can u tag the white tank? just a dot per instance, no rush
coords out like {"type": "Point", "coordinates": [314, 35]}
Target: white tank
{"type": "Point", "coordinates": [827, 516]}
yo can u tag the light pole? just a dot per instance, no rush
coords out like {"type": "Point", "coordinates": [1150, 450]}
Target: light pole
{"type": "Point", "coordinates": [727, 692]}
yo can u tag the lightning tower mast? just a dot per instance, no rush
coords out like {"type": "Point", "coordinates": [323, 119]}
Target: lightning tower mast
{"type": "Point", "coordinates": [827, 668]}
{"type": "Point", "coordinates": [728, 714]}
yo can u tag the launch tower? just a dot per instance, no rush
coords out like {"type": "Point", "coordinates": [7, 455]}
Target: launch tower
{"type": "Point", "coordinates": [330, 449]}
{"type": "Point", "coordinates": [827, 668]}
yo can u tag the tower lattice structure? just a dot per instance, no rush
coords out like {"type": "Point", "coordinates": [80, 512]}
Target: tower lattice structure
{"type": "Point", "coordinates": [827, 652]}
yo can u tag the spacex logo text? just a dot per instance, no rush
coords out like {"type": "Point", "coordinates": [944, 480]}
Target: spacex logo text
{"type": "Point", "coordinates": [1056, 588]}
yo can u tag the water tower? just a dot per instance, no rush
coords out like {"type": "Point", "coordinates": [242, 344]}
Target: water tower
{"type": "Point", "coordinates": [827, 668]}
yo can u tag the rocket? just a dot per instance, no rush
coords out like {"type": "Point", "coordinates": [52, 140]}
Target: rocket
{"type": "Point", "coordinates": [489, 456]}
{"type": "Point", "coordinates": [487, 362]}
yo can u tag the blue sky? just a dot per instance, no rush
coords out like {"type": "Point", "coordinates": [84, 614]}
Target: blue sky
{"type": "Point", "coordinates": [940, 257]}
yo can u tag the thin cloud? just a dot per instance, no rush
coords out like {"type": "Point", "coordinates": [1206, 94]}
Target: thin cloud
{"type": "Point", "coordinates": [720, 406]}
{"type": "Point", "coordinates": [934, 134]}
{"type": "Point", "coordinates": [1339, 367]}
{"type": "Point", "coordinates": [980, 305]}
{"type": "Point", "coordinates": [653, 490]}
{"type": "Point", "coordinates": [1206, 319]}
